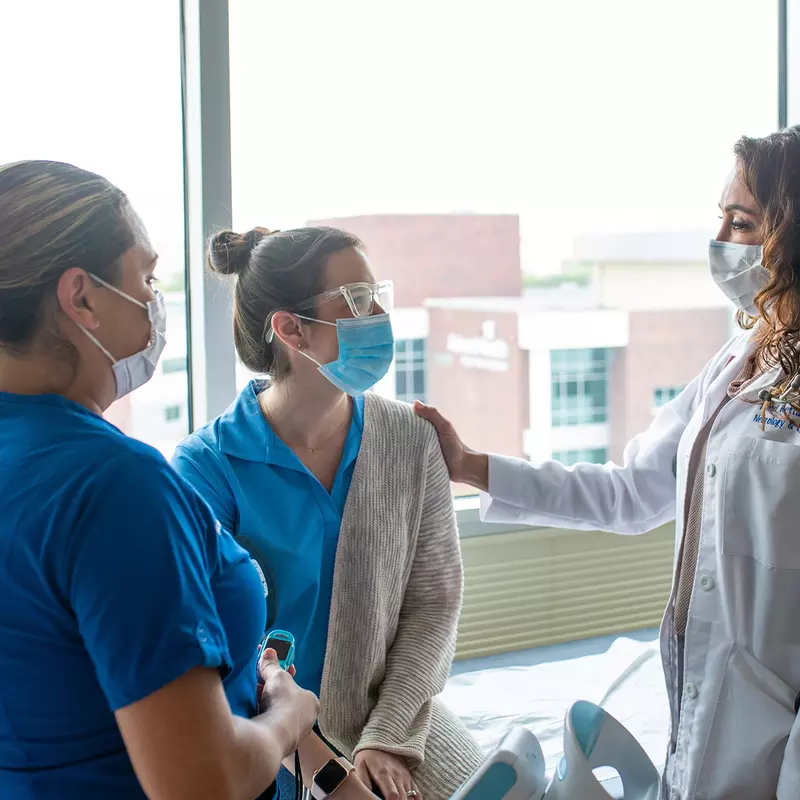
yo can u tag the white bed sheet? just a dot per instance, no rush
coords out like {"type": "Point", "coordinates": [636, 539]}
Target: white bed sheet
{"type": "Point", "coordinates": [626, 680]}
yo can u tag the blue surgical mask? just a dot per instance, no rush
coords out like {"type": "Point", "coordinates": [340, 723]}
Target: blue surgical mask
{"type": "Point", "coordinates": [366, 351]}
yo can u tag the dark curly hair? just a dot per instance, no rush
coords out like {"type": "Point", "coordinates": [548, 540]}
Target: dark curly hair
{"type": "Point", "coordinates": [770, 169]}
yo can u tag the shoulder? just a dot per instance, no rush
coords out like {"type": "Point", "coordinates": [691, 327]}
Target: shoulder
{"type": "Point", "coordinates": [134, 461]}
{"type": "Point", "coordinates": [140, 471]}
{"type": "Point", "coordinates": [398, 419]}
{"type": "Point", "coordinates": [201, 462]}
{"type": "Point", "coordinates": [203, 442]}
{"type": "Point", "coordinates": [392, 428]}
{"type": "Point", "coordinates": [737, 348]}
{"type": "Point", "coordinates": [138, 490]}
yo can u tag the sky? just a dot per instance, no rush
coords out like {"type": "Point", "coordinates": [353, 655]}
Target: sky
{"type": "Point", "coordinates": [583, 117]}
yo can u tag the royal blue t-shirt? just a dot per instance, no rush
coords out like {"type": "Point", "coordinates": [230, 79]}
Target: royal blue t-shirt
{"type": "Point", "coordinates": [114, 581]}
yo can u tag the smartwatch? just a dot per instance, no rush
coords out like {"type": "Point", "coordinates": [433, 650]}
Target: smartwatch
{"type": "Point", "coordinates": [330, 777]}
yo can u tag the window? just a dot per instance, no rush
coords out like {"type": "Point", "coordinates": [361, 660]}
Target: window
{"type": "Point", "coordinates": [580, 387]}
{"type": "Point", "coordinates": [662, 396]}
{"type": "Point", "coordinates": [410, 370]}
{"type": "Point", "coordinates": [499, 266]}
{"type": "Point", "coordinates": [134, 137]}
{"type": "Point", "coordinates": [534, 285]}
{"type": "Point", "coordinates": [571, 457]}
{"type": "Point", "coordinates": [169, 366]}
{"type": "Point", "coordinates": [172, 413]}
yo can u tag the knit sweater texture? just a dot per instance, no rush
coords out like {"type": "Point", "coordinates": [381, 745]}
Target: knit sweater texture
{"type": "Point", "coordinates": [397, 589]}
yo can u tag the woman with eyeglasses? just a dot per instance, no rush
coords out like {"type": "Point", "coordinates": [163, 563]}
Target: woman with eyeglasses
{"type": "Point", "coordinates": [343, 499]}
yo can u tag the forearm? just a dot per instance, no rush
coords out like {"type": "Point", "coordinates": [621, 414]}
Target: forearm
{"type": "Point", "coordinates": [183, 740]}
{"type": "Point", "coordinates": [261, 744]}
{"type": "Point", "coordinates": [475, 471]}
{"type": "Point", "coordinates": [257, 752]}
{"type": "Point", "coordinates": [314, 754]}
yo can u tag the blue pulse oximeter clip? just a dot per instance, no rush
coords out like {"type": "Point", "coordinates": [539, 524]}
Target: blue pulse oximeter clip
{"type": "Point", "coordinates": [282, 642]}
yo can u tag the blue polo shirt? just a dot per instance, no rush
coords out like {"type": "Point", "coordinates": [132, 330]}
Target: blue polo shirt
{"type": "Point", "coordinates": [114, 581]}
{"type": "Point", "coordinates": [260, 490]}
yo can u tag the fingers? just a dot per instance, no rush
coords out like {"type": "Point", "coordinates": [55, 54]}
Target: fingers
{"type": "Point", "coordinates": [432, 415]}
{"type": "Point", "coordinates": [268, 663]}
{"type": "Point", "coordinates": [389, 787]}
{"type": "Point", "coordinates": [268, 654]}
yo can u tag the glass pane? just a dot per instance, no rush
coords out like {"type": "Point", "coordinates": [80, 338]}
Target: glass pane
{"type": "Point", "coordinates": [402, 383]}
{"type": "Point", "coordinates": [574, 271]}
{"type": "Point", "coordinates": [101, 89]}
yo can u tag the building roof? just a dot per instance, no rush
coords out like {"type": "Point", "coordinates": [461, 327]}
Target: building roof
{"type": "Point", "coordinates": [657, 247]}
{"type": "Point", "coordinates": [568, 297]}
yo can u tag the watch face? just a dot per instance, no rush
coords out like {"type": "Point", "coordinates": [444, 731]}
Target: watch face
{"type": "Point", "coordinates": [330, 777]}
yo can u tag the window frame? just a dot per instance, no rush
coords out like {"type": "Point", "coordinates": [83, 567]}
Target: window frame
{"type": "Point", "coordinates": [583, 368]}
{"type": "Point", "coordinates": [410, 361]}
{"type": "Point", "coordinates": [205, 60]}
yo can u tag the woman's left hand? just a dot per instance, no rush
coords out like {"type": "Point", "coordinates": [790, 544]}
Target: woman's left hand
{"type": "Point", "coordinates": [387, 773]}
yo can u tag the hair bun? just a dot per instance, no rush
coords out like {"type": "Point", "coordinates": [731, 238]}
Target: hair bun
{"type": "Point", "coordinates": [229, 252]}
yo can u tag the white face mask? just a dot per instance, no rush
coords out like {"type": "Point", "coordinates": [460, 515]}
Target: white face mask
{"type": "Point", "coordinates": [134, 371]}
{"type": "Point", "coordinates": [737, 270]}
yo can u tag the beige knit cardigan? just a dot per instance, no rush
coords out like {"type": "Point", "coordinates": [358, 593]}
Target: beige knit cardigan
{"type": "Point", "coordinates": [397, 588]}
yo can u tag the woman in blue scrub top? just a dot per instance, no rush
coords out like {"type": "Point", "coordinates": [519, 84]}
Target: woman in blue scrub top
{"type": "Point", "coordinates": [345, 502]}
{"type": "Point", "coordinates": [129, 623]}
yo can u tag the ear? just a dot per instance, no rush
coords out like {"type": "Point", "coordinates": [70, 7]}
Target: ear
{"type": "Point", "coordinates": [289, 329]}
{"type": "Point", "coordinates": [77, 298]}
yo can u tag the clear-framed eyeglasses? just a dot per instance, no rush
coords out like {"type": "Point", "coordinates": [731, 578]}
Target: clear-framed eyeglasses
{"type": "Point", "coordinates": [361, 299]}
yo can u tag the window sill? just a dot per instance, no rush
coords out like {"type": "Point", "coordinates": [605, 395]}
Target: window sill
{"type": "Point", "coordinates": [468, 517]}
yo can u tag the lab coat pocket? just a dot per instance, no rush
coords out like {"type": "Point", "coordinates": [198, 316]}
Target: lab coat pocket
{"type": "Point", "coordinates": [752, 719]}
{"type": "Point", "coordinates": [760, 504]}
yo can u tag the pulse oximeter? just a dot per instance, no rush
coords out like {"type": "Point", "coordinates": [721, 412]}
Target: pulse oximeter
{"type": "Point", "coordinates": [282, 642]}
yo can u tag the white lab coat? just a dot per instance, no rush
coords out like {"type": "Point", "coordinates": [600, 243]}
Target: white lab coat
{"type": "Point", "coordinates": [738, 738]}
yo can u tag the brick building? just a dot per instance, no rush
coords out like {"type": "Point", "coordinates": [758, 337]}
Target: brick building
{"type": "Point", "coordinates": [433, 256]}
{"type": "Point", "coordinates": [440, 255]}
{"type": "Point", "coordinates": [570, 372]}
{"type": "Point", "coordinates": [574, 372]}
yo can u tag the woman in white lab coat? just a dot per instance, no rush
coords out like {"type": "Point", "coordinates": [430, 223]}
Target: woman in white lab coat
{"type": "Point", "coordinates": [723, 460]}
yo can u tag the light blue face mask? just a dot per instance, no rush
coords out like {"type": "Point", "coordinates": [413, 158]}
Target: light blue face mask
{"type": "Point", "coordinates": [366, 351]}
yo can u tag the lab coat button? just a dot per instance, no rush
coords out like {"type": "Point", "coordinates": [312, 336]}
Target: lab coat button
{"type": "Point", "coordinates": [711, 470]}
{"type": "Point", "coordinates": [707, 583]}
{"type": "Point", "coordinates": [691, 691]}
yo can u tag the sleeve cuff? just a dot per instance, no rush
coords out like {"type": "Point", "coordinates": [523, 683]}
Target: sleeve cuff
{"type": "Point", "coordinates": [414, 755]}
{"type": "Point", "coordinates": [510, 487]}
{"type": "Point", "coordinates": [205, 651]}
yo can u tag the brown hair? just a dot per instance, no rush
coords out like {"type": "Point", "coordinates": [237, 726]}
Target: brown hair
{"type": "Point", "coordinates": [770, 169]}
{"type": "Point", "coordinates": [275, 271]}
{"type": "Point", "coordinates": [53, 216]}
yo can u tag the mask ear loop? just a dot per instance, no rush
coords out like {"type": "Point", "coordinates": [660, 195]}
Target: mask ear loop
{"type": "Point", "coordinates": [270, 335]}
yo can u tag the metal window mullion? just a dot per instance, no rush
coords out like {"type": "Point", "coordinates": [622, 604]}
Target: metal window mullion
{"type": "Point", "coordinates": [789, 61]}
{"type": "Point", "coordinates": [205, 57]}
